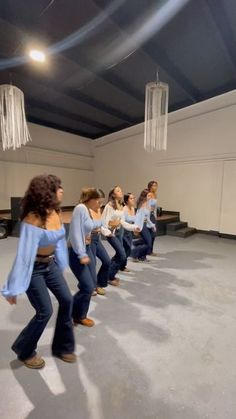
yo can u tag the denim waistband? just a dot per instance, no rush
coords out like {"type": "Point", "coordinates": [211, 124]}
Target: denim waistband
{"type": "Point", "coordinates": [44, 259]}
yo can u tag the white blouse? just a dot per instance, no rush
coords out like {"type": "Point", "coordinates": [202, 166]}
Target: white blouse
{"type": "Point", "coordinates": [109, 214]}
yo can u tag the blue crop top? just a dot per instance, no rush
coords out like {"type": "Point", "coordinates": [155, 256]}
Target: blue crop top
{"type": "Point", "coordinates": [31, 238]}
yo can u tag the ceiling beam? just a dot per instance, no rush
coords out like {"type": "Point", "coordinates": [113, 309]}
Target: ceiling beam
{"type": "Point", "coordinates": [158, 55]}
{"type": "Point", "coordinates": [76, 95]}
{"type": "Point", "coordinates": [122, 86]}
{"type": "Point", "coordinates": [67, 114]}
{"type": "Point", "coordinates": [217, 11]}
{"type": "Point", "coordinates": [162, 60]}
{"type": "Point", "coordinates": [104, 75]}
{"type": "Point", "coordinates": [39, 121]}
{"type": "Point", "coordinates": [25, 75]}
{"type": "Point", "coordinates": [110, 110]}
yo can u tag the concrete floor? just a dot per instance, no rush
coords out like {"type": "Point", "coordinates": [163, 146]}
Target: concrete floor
{"type": "Point", "coordinates": [163, 346]}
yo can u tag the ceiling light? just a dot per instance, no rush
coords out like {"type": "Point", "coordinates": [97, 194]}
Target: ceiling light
{"type": "Point", "coordinates": [37, 55]}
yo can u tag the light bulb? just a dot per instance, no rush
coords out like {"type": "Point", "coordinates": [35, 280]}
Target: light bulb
{"type": "Point", "coordinates": [37, 55]}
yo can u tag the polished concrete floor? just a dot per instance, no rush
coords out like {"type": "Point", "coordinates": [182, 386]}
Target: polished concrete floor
{"type": "Point", "coordinates": [163, 346]}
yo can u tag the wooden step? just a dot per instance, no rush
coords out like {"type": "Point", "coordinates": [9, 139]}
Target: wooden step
{"type": "Point", "coordinates": [165, 219]}
{"type": "Point", "coordinates": [176, 226]}
{"type": "Point", "coordinates": [183, 232]}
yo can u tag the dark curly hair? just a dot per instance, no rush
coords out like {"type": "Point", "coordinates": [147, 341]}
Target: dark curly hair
{"type": "Point", "coordinates": [126, 197]}
{"type": "Point", "coordinates": [40, 197]}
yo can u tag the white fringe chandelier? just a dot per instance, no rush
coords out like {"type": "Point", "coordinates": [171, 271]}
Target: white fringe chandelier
{"type": "Point", "coordinates": [156, 116]}
{"type": "Point", "coordinates": [14, 131]}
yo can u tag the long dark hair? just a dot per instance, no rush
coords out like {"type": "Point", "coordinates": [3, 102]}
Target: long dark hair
{"type": "Point", "coordinates": [40, 197]}
{"type": "Point", "coordinates": [112, 198]}
{"type": "Point", "coordinates": [151, 183]}
{"type": "Point", "coordinates": [142, 198]}
{"type": "Point", "coordinates": [126, 197]}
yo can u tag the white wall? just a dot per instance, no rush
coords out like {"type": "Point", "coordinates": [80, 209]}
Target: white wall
{"type": "Point", "coordinates": [66, 155]}
{"type": "Point", "coordinates": [197, 173]}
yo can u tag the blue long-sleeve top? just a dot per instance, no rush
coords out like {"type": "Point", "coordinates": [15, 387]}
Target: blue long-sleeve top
{"type": "Point", "coordinates": [31, 238]}
{"type": "Point", "coordinates": [81, 226]}
{"type": "Point", "coordinates": [142, 215]}
{"type": "Point", "coordinates": [129, 218]}
{"type": "Point", "coordinates": [152, 204]}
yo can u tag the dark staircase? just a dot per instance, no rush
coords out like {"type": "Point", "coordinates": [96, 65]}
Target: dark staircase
{"type": "Point", "coordinates": [180, 229]}
{"type": "Point", "coordinates": [168, 222]}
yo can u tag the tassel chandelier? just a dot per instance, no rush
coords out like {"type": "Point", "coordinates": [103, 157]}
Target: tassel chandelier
{"type": "Point", "coordinates": [156, 116]}
{"type": "Point", "coordinates": [13, 125]}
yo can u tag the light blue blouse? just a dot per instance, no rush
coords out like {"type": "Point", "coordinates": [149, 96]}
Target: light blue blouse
{"type": "Point", "coordinates": [143, 214]}
{"type": "Point", "coordinates": [152, 204]}
{"type": "Point", "coordinates": [81, 226]}
{"type": "Point", "coordinates": [31, 238]}
{"type": "Point", "coordinates": [129, 218]}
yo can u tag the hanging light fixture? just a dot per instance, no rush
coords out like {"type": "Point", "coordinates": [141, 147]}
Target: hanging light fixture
{"type": "Point", "coordinates": [14, 131]}
{"type": "Point", "coordinates": [156, 116]}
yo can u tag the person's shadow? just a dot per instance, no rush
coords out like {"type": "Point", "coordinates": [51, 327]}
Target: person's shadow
{"type": "Point", "coordinates": [72, 403]}
{"type": "Point", "coordinates": [185, 259]}
{"type": "Point", "coordinates": [114, 377]}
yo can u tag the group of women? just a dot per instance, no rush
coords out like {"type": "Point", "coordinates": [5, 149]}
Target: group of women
{"type": "Point", "coordinates": [43, 251]}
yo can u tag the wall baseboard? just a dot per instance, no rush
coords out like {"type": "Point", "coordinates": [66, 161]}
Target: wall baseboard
{"type": "Point", "coordinates": [217, 234]}
{"type": "Point", "coordinates": [64, 208]}
{"type": "Point", "coordinates": [3, 211]}
{"type": "Point", "coordinates": [227, 236]}
{"type": "Point", "coordinates": [68, 207]}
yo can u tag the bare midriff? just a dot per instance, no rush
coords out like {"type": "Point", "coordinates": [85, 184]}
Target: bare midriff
{"type": "Point", "coordinates": [53, 222]}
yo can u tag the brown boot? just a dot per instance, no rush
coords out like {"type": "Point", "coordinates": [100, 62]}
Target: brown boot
{"type": "Point", "coordinates": [67, 357]}
{"type": "Point", "coordinates": [85, 322]}
{"type": "Point", "coordinates": [115, 282]}
{"type": "Point", "coordinates": [136, 260]}
{"type": "Point", "coordinates": [126, 270]}
{"type": "Point", "coordinates": [100, 291]}
{"type": "Point", "coordinates": [34, 363]}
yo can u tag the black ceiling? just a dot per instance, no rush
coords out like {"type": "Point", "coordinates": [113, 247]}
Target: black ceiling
{"type": "Point", "coordinates": [103, 52]}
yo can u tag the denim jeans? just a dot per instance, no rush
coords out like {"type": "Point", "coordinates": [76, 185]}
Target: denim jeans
{"type": "Point", "coordinates": [47, 276]}
{"type": "Point", "coordinates": [87, 281]}
{"type": "Point", "coordinates": [139, 249]}
{"type": "Point", "coordinates": [100, 252]}
{"type": "Point", "coordinates": [153, 233]}
{"type": "Point", "coordinates": [144, 246]}
{"type": "Point", "coordinates": [119, 258]}
{"type": "Point", "coordinates": [127, 244]}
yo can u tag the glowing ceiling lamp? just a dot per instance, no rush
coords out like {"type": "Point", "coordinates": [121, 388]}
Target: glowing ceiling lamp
{"type": "Point", "coordinates": [156, 116]}
{"type": "Point", "coordinates": [37, 55]}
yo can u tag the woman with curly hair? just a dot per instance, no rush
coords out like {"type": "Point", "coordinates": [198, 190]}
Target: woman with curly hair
{"type": "Point", "coordinates": [41, 258]}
